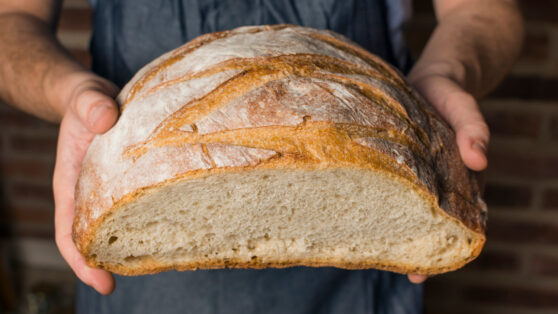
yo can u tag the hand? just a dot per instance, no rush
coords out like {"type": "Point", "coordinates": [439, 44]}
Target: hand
{"type": "Point", "coordinates": [417, 278]}
{"type": "Point", "coordinates": [461, 111]}
{"type": "Point", "coordinates": [89, 110]}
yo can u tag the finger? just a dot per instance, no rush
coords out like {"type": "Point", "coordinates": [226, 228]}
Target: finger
{"type": "Point", "coordinates": [461, 111]}
{"type": "Point", "coordinates": [417, 278]}
{"type": "Point", "coordinates": [73, 141]}
{"type": "Point", "coordinates": [96, 110]}
{"type": "Point", "coordinates": [470, 128]}
{"type": "Point", "coordinates": [472, 139]}
{"type": "Point", "coordinates": [100, 280]}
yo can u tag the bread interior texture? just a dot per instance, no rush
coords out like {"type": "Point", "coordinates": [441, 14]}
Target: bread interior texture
{"type": "Point", "coordinates": [283, 217]}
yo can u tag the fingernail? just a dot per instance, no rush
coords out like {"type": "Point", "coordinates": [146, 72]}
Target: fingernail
{"type": "Point", "coordinates": [96, 113]}
{"type": "Point", "coordinates": [479, 146]}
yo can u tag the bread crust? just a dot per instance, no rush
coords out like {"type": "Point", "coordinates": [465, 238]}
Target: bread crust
{"type": "Point", "coordinates": [368, 119]}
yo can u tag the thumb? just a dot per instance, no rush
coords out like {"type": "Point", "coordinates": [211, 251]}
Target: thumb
{"type": "Point", "coordinates": [96, 109]}
{"type": "Point", "coordinates": [461, 111]}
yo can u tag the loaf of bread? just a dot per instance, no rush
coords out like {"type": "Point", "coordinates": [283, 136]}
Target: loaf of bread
{"type": "Point", "coordinates": [275, 146]}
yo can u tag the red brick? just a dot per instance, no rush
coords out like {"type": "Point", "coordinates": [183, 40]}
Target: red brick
{"type": "Point", "coordinates": [539, 10]}
{"type": "Point", "coordinates": [528, 87]}
{"type": "Point", "coordinates": [27, 213]}
{"type": "Point", "coordinates": [12, 118]}
{"type": "Point", "coordinates": [417, 35]}
{"type": "Point", "coordinates": [522, 165]}
{"type": "Point", "coordinates": [513, 124]}
{"type": "Point", "coordinates": [34, 144]}
{"type": "Point", "coordinates": [83, 56]}
{"type": "Point", "coordinates": [501, 195]}
{"type": "Point", "coordinates": [26, 230]}
{"type": "Point", "coordinates": [423, 6]}
{"type": "Point", "coordinates": [437, 309]}
{"type": "Point", "coordinates": [544, 265]}
{"type": "Point", "coordinates": [517, 296]}
{"type": "Point", "coordinates": [554, 128]}
{"type": "Point", "coordinates": [495, 261]}
{"type": "Point", "coordinates": [24, 191]}
{"type": "Point", "coordinates": [26, 167]}
{"type": "Point", "coordinates": [438, 285]}
{"type": "Point", "coordinates": [75, 19]}
{"type": "Point", "coordinates": [536, 47]}
{"type": "Point", "coordinates": [550, 199]}
{"type": "Point", "coordinates": [522, 232]}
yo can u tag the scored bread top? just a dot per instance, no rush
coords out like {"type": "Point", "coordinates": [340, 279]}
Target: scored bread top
{"type": "Point", "coordinates": [271, 97]}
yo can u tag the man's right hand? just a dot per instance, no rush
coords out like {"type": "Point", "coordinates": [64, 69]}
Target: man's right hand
{"type": "Point", "coordinates": [90, 110]}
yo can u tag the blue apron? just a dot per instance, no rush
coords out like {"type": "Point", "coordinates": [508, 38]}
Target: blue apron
{"type": "Point", "coordinates": [130, 33]}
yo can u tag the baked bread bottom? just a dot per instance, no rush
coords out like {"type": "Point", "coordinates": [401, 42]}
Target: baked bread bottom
{"type": "Point", "coordinates": [343, 217]}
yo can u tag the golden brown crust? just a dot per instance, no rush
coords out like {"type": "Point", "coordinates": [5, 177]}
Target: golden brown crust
{"type": "Point", "coordinates": [179, 53]}
{"type": "Point", "coordinates": [256, 72]}
{"type": "Point", "coordinates": [355, 111]}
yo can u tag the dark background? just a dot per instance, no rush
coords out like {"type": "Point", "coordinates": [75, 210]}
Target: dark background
{"type": "Point", "coordinates": [516, 273]}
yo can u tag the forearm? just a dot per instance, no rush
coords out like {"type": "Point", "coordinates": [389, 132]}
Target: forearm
{"type": "Point", "coordinates": [33, 65]}
{"type": "Point", "coordinates": [475, 43]}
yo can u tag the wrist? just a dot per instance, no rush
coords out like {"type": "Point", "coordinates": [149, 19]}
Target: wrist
{"type": "Point", "coordinates": [452, 70]}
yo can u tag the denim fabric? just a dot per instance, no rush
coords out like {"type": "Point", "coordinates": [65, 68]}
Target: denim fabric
{"type": "Point", "coordinates": [294, 290]}
{"type": "Point", "coordinates": [130, 33]}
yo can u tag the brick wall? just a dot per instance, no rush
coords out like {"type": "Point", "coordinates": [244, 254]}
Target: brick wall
{"type": "Point", "coordinates": [28, 145]}
{"type": "Point", "coordinates": [518, 269]}
{"type": "Point", "coordinates": [516, 273]}
{"type": "Point", "coordinates": [29, 258]}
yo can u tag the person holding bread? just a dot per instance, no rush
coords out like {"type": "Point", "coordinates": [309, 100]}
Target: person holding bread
{"type": "Point", "coordinates": [472, 47]}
